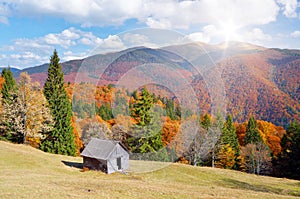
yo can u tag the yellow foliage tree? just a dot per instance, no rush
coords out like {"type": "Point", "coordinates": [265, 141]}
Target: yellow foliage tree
{"type": "Point", "coordinates": [226, 157]}
{"type": "Point", "coordinates": [37, 116]}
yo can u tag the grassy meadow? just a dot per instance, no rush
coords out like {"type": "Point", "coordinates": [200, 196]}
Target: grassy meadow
{"type": "Point", "coordinates": [26, 172]}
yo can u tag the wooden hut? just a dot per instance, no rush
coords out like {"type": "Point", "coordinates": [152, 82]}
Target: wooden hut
{"type": "Point", "coordinates": [106, 155]}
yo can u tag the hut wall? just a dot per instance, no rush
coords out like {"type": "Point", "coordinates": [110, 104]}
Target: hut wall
{"type": "Point", "coordinates": [95, 164]}
{"type": "Point", "coordinates": [112, 162]}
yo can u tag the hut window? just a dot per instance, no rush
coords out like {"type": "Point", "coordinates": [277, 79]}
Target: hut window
{"type": "Point", "coordinates": [119, 163]}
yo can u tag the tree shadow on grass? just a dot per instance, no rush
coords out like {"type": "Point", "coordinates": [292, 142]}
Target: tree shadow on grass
{"type": "Point", "coordinates": [77, 165]}
{"type": "Point", "coordinates": [235, 184]}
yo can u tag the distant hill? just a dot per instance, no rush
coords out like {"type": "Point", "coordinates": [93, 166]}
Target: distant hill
{"type": "Point", "coordinates": [30, 173]}
{"type": "Point", "coordinates": [250, 79]}
{"type": "Point", "coordinates": [14, 70]}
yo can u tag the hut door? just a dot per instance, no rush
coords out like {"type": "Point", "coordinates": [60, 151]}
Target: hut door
{"type": "Point", "coordinates": [119, 163]}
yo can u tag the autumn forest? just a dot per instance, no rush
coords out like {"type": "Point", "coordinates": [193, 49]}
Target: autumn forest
{"type": "Point", "coordinates": [150, 122]}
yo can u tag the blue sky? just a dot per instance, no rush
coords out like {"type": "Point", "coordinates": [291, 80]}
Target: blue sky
{"type": "Point", "coordinates": [32, 29]}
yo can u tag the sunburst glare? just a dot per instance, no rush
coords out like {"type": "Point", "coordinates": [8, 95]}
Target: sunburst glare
{"type": "Point", "coordinates": [229, 31]}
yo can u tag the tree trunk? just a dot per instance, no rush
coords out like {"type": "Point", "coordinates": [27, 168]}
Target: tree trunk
{"type": "Point", "coordinates": [25, 130]}
{"type": "Point", "coordinates": [24, 115]}
{"type": "Point", "coordinates": [213, 159]}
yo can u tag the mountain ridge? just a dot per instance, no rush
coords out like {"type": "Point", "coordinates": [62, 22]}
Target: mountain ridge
{"type": "Point", "coordinates": [258, 81]}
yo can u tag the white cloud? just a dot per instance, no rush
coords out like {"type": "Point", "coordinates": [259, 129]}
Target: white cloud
{"type": "Point", "coordinates": [183, 14]}
{"type": "Point", "coordinates": [295, 34]}
{"type": "Point", "coordinates": [53, 39]}
{"type": "Point", "coordinates": [208, 32]}
{"type": "Point", "coordinates": [67, 38]}
{"type": "Point", "coordinates": [154, 13]}
{"type": "Point", "coordinates": [109, 44]}
{"type": "Point", "coordinates": [158, 23]}
{"type": "Point", "coordinates": [167, 14]}
{"type": "Point", "coordinates": [89, 39]}
{"type": "Point", "coordinates": [197, 36]}
{"type": "Point", "coordinates": [112, 41]}
{"type": "Point", "coordinates": [3, 20]}
{"type": "Point", "coordinates": [15, 56]}
{"type": "Point", "coordinates": [29, 52]}
{"type": "Point", "coordinates": [24, 57]}
{"type": "Point", "coordinates": [4, 13]}
{"type": "Point", "coordinates": [33, 45]}
{"type": "Point", "coordinates": [70, 34]}
{"type": "Point", "coordinates": [256, 36]}
{"type": "Point", "coordinates": [135, 39]}
{"type": "Point", "coordinates": [85, 12]}
{"type": "Point", "coordinates": [290, 7]}
{"type": "Point", "coordinates": [69, 55]}
{"type": "Point", "coordinates": [30, 55]}
{"type": "Point", "coordinates": [86, 41]}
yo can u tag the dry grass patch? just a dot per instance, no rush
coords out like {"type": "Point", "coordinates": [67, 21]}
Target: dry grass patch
{"type": "Point", "coordinates": [30, 173]}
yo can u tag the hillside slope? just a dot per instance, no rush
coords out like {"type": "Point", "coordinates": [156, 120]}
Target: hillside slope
{"type": "Point", "coordinates": [258, 85]}
{"type": "Point", "coordinates": [29, 173]}
{"type": "Point", "coordinates": [257, 81]}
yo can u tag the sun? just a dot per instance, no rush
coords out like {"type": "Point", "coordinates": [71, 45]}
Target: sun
{"type": "Point", "coordinates": [229, 31]}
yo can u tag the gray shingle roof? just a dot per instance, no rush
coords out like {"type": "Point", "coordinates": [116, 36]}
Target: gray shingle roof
{"type": "Point", "coordinates": [99, 149]}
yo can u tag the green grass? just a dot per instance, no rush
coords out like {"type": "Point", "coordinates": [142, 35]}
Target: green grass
{"type": "Point", "coordinates": [26, 172]}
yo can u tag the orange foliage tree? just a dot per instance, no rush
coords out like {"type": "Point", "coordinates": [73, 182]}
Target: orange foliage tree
{"type": "Point", "coordinates": [169, 131]}
{"type": "Point", "coordinates": [272, 134]}
{"type": "Point", "coordinates": [77, 140]}
{"type": "Point", "coordinates": [240, 132]}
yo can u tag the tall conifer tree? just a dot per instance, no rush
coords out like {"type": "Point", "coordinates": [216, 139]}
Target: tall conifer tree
{"type": "Point", "coordinates": [11, 124]}
{"type": "Point", "coordinates": [61, 139]}
{"type": "Point", "coordinates": [9, 85]}
{"type": "Point", "coordinates": [255, 151]}
{"type": "Point", "coordinates": [229, 141]}
{"type": "Point", "coordinates": [146, 132]}
{"type": "Point", "coordinates": [229, 135]}
{"type": "Point", "coordinates": [252, 133]}
{"type": "Point", "coordinates": [205, 121]}
{"type": "Point", "coordinates": [289, 161]}
{"type": "Point", "coordinates": [141, 110]}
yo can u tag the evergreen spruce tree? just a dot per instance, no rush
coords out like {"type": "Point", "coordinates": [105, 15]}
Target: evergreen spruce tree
{"type": "Point", "coordinates": [11, 123]}
{"type": "Point", "coordinates": [252, 133]}
{"type": "Point", "coordinates": [229, 139]}
{"type": "Point", "coordinates": [141, 110]}
{"type": "Point", "coordinates": [9, 86]}
{"type": "Point", "coordinates": [289, 161]}
{"type": "Point", "coordinates": [147, 131]}
{"type": "Point", "coordinates": [61, 139]}
{"type": "Point", "coordinates": [229, 135]}
{"type": "Point", "coordinates": [206, 121]}
{"type": "Point", "coordinates": [170, 109]}
{"type": "Point", "coordinates": [255, 151]}
{"type": "Point", "coordinates": [105, 111]}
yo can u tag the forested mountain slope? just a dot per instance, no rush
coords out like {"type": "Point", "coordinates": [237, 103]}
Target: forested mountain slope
{"type": "Point", "coordinates": [256, 81]}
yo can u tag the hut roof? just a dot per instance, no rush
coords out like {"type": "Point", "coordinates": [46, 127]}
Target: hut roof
{"type": "Point", "coordinates": [100, 149]}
